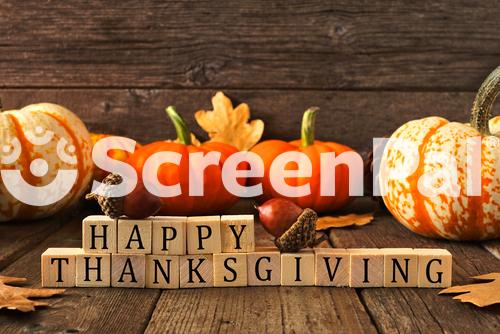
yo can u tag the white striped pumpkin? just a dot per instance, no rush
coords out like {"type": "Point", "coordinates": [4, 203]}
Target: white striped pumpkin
{"type": "Point", "coordinates": [459, 217]}
{"type": "Point", "coordinates": [39, 140]}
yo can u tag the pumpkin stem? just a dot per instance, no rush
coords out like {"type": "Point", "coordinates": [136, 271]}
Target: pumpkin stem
{"type": "Point", "coordinates": [307, 130]}
{"type": "Point", "coordinates": [483, 103]}
{"type": "Point", "coordinates": [183, 133]}
{"type": "Point", "coordinates": [1, 105]}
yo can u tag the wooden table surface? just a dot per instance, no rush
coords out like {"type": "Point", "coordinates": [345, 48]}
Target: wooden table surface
{"type": "Point", "coordinates": [250, 309]}
{"type": "Point", "coordinates": [369, 65]}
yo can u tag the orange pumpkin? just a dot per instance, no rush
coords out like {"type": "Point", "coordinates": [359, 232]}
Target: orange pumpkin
{"type": "Point", "coordinates": [447, 214]}
{"type": "Point", "coordinates": [216, 198]}
{"type": "Point", "coordinates": [268, 150]}
{"type": "Point", "coordinates": [120, 155]}
{"type": "Point", "coordinates": [36, 143]}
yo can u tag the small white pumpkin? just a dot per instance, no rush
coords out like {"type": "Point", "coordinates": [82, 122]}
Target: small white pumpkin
{"type": "Point", "coordinates": [36, 143]}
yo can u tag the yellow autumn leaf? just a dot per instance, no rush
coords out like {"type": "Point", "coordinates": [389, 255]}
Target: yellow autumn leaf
{"type": "Point", "coordinates": [327, 222]}
{"type": "Point", "coordinates": [479, 294]}
{"type": "Point", "coordinates": [17, 298]}
{"type": "Point", "coordinates": [230, 125]}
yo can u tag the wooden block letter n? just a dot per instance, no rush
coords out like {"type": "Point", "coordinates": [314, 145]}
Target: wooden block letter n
{"type": "Point", "coordinates": [99, 235]}
{"type": "Point", "coordinates": [400, 267]}
{"type": "Point", "coordinates": [162, 271]}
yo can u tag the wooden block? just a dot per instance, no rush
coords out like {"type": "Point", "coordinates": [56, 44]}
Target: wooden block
{"type": "Point", "coordinates": [59, 267]}
{"type": "Point", "coordinates": [297, 269]}
{"type": "Point", "coordinates": [400, 267]}
{"type": "Point", "coordinates": [134, 236]}
{"type": "Point", "coordinates": [162, 271]}
{"type": "Point", "coordinates": [169, 235]}
{"type": "Point", "coordinates": [128, 270]}
{"type": "Point", "coordinates": [332, 267]}
{"type": "Point", "coordinates": [93, 270]}
{"type": "Point", "coordinates": [434, 268]}
{"type": "Point", "coordinates": [99, 235]}
{"type": "Point", "coordinates": [237, 234]}
{"type": "Point", "coordinates": [230, 269]}
{"type": "Point", "coordinates": [203, 235]}
{"type": "Point", "coordinates": [196, 271]}
{"type": "Point", "coordinates": [264, 266]}
{"type": "Point", "coordinates": [367, 267]}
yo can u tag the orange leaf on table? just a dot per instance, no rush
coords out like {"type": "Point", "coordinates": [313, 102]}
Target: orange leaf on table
{"type": "Point", "coordinates": [230, 125]}
{"type": "Point", "coordinates": [17, 298]}
{"type": "Point", "coordinates": [352, 219]}
{"type": "Point", "coordinates": [479, 294]}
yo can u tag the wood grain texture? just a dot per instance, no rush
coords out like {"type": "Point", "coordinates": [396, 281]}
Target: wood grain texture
{"type": "Point", "coordinates": [493, 246]}
{"type": "Point", "coordinates": [261, 309]}
{"type": "Point", "coordinates": [102, 310]}
{"type": "Point", "coordinates": [420, 310]}
{"type": "Point", "coordinates": [17, 238]}
{"type": "Point", "coordinates": [255, 44]}
{"type": "Point", "coordinates": [352, 118]}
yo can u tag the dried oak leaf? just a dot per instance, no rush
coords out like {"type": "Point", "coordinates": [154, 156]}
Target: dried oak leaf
{"type": "Point", "coordinates": [479, 294]}
{"type": "Point", "coordinates": [327, 222]}
{"type": "Point", "coordinates": [227, 125]}
{"type": "Point", "coordinates": [17, 298]}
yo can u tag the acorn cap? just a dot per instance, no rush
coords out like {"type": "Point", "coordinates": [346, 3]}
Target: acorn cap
{"type": "Point", "coordinates": [110, 206]}
{"type": "Point", "coordinates": [301, 234]}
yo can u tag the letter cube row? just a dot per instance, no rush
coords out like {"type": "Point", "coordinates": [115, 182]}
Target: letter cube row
{"type": "Point", "coordinates": [265, 266]}
{"type": "Point", "coordinates": [163, 235]}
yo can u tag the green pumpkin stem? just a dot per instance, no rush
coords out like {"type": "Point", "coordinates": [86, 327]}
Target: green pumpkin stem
{"type": "Point", "coordinates": [307, 130]}
{"type": "Point", "coordinates": [183, 133]}
{"type": "Point", "coordinates": [483, 103]}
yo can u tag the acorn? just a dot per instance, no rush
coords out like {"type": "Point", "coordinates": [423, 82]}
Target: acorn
{"type": "Point", "coordinates": [293, 227]}
{"type": "Point", "coordinates": [138, 204]}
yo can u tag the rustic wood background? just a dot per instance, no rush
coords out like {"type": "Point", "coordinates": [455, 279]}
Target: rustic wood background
{"type": "Point", "coordinates": [369, 65]}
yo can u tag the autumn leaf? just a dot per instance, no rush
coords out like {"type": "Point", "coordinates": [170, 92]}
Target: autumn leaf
{"type": "Point", "coordinates": [479, 294]}
{"type": "Point", "coordinates": [327, 222]}
{"type": "Point", "coordinates": [230, 125]}
{"type": "Point", "coordinates": [17, 298]}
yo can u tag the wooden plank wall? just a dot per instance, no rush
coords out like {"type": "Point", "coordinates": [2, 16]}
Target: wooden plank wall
{"type": "Point", "coordinates": [369, 65]}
